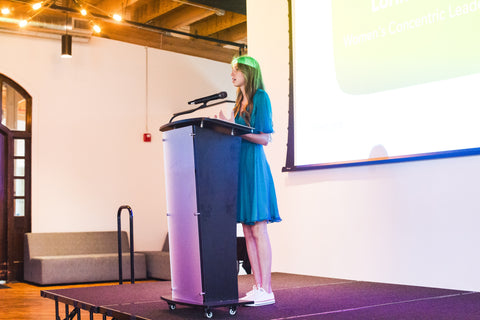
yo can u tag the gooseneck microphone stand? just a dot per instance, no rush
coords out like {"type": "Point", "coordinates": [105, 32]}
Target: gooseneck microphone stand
{"type": "Point", "coordinates": [203, 106]}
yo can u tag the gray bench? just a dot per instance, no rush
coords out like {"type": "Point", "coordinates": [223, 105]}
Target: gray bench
{"type": "Point", "coordinates": [78, 257]}
{"type": "Point", "coordinates": [158, 262]}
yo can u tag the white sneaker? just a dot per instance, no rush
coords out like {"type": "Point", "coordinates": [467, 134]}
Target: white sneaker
{"type": "Point", "coordinates": [250, 294]}
{"type": "Point", "coordinates": [262, 298]}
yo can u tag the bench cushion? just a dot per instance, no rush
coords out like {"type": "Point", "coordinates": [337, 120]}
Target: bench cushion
{"type": "Point", "coordinates": [158, 264]}
{"type": "Point", "coordinates": [83, 268]}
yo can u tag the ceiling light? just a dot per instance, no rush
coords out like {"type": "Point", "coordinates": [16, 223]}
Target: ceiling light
{"type": "Point", "coordinates": [83, 12]}
{"type": "Point", "coordinates": [66, 41]}
{"type": "Point", "coordinates": [6, 11]}
{"type": "Point", "coordinates": [37, 5]}
{"type": "Point", "coordinates": [66, 46]}
{"type": "Point", "coordinates": [97, 28]}
{"type": "Point", "coordinates": [23, 23]}
{"type": "Point", "coordinates": [117, 17]}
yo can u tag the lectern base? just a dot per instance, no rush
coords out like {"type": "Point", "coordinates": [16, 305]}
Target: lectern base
{"type": "Point", "coordinates": [207, 307]}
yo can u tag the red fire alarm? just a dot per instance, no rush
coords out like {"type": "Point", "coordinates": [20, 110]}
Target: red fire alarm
{"type": "Point", "coordinates": [147, 137]}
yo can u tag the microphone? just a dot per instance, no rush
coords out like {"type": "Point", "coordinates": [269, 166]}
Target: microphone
{"type": "Point", "coordinates": [220, 95]}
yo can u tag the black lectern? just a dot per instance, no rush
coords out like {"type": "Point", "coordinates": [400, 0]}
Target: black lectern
{"type": "Point", "coordinates": [201, 168]}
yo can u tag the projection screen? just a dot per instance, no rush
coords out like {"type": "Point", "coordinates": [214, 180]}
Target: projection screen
{"type": "Point", "coordinates": [379, 81]}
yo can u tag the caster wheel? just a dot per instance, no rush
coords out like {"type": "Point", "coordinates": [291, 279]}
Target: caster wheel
{"type": "Point", "coordinates": [233, 310]}
{"type": "Point", "coordinates": [172, 307]}
{"type": "Point", "coordinates": [208, 314]}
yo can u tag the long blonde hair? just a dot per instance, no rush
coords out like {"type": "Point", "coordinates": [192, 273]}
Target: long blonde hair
{"type": "Point", "coordinates": [250, 69]}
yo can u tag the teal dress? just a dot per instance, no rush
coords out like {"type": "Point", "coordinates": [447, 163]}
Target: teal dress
{"type": "Point", "coordinates": [256, 199]}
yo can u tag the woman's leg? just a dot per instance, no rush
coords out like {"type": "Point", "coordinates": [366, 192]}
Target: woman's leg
{"type": "Point", "coordinates": [264, 252]}
{"type": "Point", "coordinates": [259, 253]}
{"type": "Point", "coordinates": [252, 253]}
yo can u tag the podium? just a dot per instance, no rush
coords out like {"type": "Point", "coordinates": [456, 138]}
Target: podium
{"type": "Point", "coordinates": [201, 168]}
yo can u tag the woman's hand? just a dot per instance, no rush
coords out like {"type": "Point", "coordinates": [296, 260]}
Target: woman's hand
{"type": "Point", "coordinates": [258, 138]}
{"type": "Point", "coordinates": [221, 116]}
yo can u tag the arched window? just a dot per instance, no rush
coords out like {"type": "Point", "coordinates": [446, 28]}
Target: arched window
{"type": "Point", "coordinates": [15, 176]}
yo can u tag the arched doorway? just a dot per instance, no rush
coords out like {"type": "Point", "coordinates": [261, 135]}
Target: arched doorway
{"type": "Point", "coordinates": [15, 176]}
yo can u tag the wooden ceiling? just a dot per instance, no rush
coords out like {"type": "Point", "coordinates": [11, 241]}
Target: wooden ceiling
{"type": "Point", "coordinates": [212, 29]}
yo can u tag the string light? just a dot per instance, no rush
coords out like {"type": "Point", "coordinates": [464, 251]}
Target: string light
{"type": "Point", "coordinates": [37, 5]}
{"type": "Point", "coordinates": [80, 5]}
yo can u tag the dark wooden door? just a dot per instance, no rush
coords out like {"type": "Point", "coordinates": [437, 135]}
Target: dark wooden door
{"type": "Point", "coordinates": [3, 206]}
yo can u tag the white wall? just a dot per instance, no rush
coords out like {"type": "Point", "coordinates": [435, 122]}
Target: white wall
{"type": "Point", "coordinates": [410, 223]}
{"type": "Point", "coordinates": [89, 116]}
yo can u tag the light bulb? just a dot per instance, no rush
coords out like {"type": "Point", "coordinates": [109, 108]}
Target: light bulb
{"type": "Point", "coordinates": [83, 12]}
{"type": "Point", "coordinates": [6, 11]}
{"type": "Point", "coordinates": [37, 5]}
{"type": "Point", "coordinates": [97, 28]}
{"type": "Point", "coordinates": [117, 17]}
{"type": "Point", "coordinates": [23, 23]}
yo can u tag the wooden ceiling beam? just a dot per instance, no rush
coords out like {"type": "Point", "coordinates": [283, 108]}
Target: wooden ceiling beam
{"type": "Point", "coordinates": [216, 23]}
{"type": "Point", "coordinates": [181, 16]}
{"type": "Point", "coordinates": [145, 37]}
{"type": "Point", "coordinates": [108, 7]}
{"type": "Point", "coordinates": [143, 11]}
{"type": "Point", "coordinates": [237, 33]}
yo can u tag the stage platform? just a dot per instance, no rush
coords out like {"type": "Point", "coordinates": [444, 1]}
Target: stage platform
{"type": "Point", "coordinates": [297, 297]}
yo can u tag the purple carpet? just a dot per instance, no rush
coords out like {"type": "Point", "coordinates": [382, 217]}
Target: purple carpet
{"type": "Point", "coordinates": [297, 297]}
